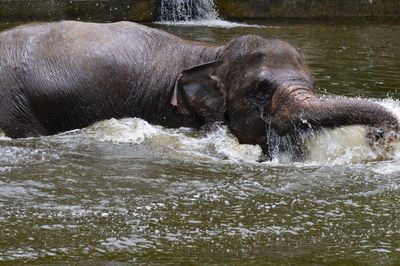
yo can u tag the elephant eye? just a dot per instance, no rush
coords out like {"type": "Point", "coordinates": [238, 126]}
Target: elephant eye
{"type": "Point", "coordinates": [262, 92]}
{"type": "Point", "coordinates": [260, 95]}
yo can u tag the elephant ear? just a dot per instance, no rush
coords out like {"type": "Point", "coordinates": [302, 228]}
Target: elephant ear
{"type": "Point", "coordinates": [197, 92]}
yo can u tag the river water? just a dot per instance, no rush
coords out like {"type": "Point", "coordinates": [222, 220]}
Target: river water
{"type": "Point", "coordinates": [124, 191]}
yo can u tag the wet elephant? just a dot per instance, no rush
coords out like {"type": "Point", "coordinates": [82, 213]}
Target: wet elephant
{"type": "Point", "coordinates": [60, 76]}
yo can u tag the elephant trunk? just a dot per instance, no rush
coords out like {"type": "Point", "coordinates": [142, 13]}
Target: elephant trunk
{"type": "Point", "coordinates": [302, 109]}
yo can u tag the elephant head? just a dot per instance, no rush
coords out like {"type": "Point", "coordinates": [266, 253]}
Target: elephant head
{"type": "Point", "coordinates": [263, 91]}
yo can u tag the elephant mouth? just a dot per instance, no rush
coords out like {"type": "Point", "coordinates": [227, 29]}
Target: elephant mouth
{"type": "Point", "coordinates": [282, 134]}
{"type": "Point", "coordinates": [270, 125]}
{"type": "Point", "coordinates": [288, 122]}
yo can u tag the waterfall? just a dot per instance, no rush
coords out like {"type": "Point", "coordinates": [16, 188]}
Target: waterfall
{"type": "Point", "coordinates": [187, 10]}
{"type": "Point", "coordinates": [193, 13]}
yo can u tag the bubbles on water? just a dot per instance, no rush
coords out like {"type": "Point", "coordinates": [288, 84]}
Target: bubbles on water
{"type": "Point", "coordinates": [386, 168]}
{"type": "Point", "coordinates": [14, 155]}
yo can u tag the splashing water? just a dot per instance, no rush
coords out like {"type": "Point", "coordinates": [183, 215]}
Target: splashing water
{"type": "Point", "coordinates": [217, 144]}
{"type": "Point", "coordinates": [339, 146]}
{"type": "Point", "coordinates": [120, 194]}
{"type": "Point", "coordinates": [187, 10]}
{"type": "Point", "coordinates": [194, 13]}
{"type": "Point", "coordinates": [344, 145]}
{"type": "Point", "coordinates": [123, 131]}
{"type": "Point", "coordinates": [349, 144]}
{"type": "Point", "coordinates": [3, 136]}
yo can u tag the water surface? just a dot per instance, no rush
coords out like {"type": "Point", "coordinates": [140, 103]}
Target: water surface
{"type": "Point", "coordinates": [124, 191]}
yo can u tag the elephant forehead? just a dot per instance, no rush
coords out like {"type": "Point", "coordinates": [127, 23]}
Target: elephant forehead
{"type": "Point", "coordinates": [247, 77]}
{"type": "Point", "coordinates": [279, 74]}
{"type": "Point", "coordinates": [278, 63]}
{"type": "Point", "coordinates": [280, 47]}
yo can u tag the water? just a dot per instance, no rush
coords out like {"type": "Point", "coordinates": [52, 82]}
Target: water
{"type": "Point", "coordinates": [125, 192]}
{"type": "Point", "coordinates": [194, 13]}
{"type": "Point", "coordinates": [186, 10]}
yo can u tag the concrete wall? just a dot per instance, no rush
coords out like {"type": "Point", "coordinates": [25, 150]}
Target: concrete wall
{"type": "Point", "coordinates": [102, 10]}
{"type": "Point", "coordinates": [242, 9]}
{"type": "Point", "coordinates": [146, 10]}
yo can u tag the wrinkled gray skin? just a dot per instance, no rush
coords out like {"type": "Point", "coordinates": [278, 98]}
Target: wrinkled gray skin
{"type": "Point", "coordinates": [60, 76]}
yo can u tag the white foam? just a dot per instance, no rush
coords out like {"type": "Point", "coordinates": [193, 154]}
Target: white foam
{"type": "Point", "coordinates": [176, 10]}
{"type": "Point", "coordinates": [129, 130]}
{"type": "Point", "coordinates": [194, 13]}
{"type": "Point", "coordinates": [340, 146]}
{"type": "Point", "coordinates": [349, 144]}
{"type": "Point", "coordinates": [386, 167]}
{"type": "Point", "coordinates": [213, 23]}
{"type": "Point", "coordinates": [344, 145]}
{"type": "Point", "coordinates": [221, 144]}
{"type": "Point", "coordinates": [3, 136]}
{"type": "Point", "coordinates": [216, 144]}
{"type": "Point", "coordinates": [391, 104]}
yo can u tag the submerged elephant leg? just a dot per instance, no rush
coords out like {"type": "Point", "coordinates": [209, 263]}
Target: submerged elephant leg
{"type": "Point", "coordinates": [18, 123]}
{"type": "Point", "coordinates": [21, 129]}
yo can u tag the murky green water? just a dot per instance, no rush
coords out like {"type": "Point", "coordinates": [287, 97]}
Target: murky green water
{"type": "Point", "coordinates": [124, 192]}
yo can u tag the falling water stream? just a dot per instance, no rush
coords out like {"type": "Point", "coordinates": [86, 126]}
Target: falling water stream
{"type": "Point", "coordinates": [125, 192]}
{"type": "Point", "coordinates": [187, 10]}
{"type": "Point", "coordinates": [194, 13]}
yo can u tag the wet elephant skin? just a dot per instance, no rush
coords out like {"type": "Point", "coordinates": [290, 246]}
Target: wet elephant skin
{"type": "Point", "coordinates": [56, 77]}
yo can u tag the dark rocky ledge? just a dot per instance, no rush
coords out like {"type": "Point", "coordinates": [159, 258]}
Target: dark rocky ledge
{"type": "Point", "coordinates": [146, 10]}
{"type": "Point", "coordinates": [96, 10]}
{"type": "Point", "coordinates": [242, 9]}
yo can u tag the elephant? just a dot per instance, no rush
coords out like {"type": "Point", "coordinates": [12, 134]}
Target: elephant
{"type": "Point", "coordinates": [66, 75]}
